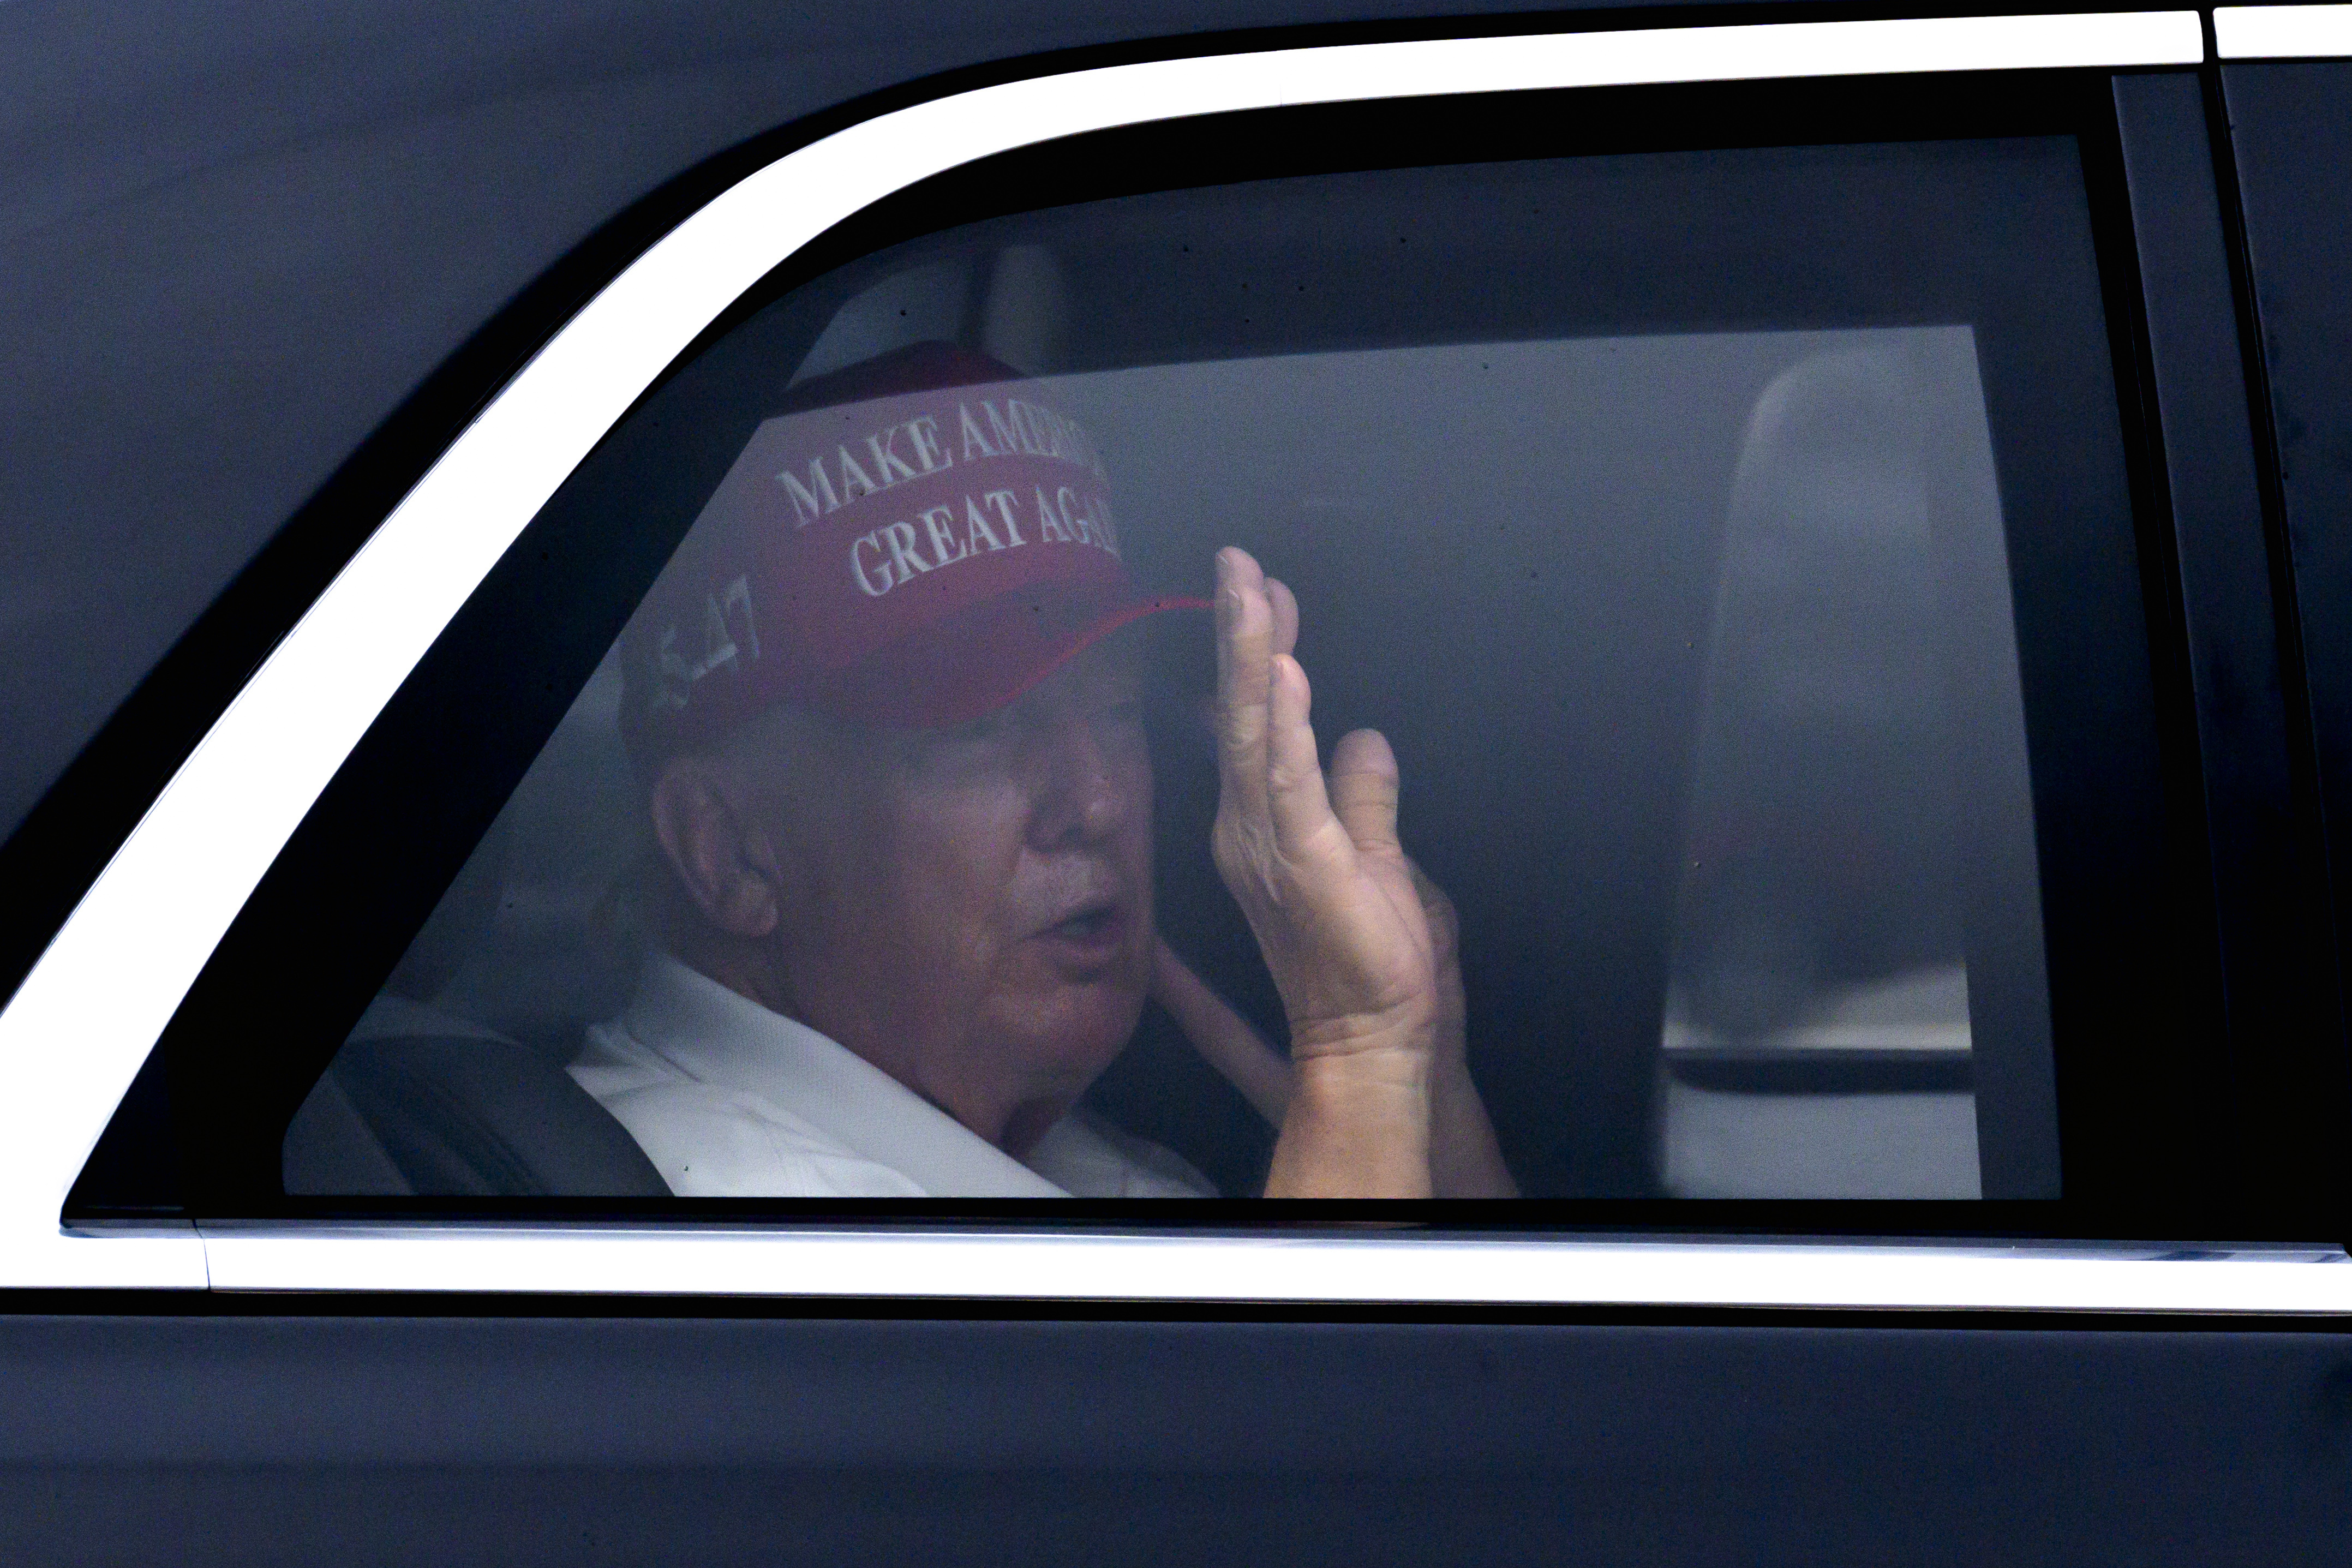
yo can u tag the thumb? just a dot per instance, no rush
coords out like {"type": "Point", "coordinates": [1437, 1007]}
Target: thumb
{"type": "Point", "coordinates": [1364, 790]}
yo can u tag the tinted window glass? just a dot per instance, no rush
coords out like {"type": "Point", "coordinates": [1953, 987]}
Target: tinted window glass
{"type": "Point", "coordinates": [1693, 644]}
{"type": "Point", "coordinates": [1733, 546]}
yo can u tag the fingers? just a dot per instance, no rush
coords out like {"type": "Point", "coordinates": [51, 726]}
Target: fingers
{"type": "Point", "coordinates": [1295, 792]}
{"type": "Point", "coordinates": [1245, 672]}
{"type": "Point", "coordinates": [1285, 604]}
{"type": "Point", "coordinates": [1364, 791]}
{"type": "Point", "coordinates": [1267, 752]}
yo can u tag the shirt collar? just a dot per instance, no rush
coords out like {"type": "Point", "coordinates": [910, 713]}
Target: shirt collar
{"type": "Point", "coordinates": [716, 1036]}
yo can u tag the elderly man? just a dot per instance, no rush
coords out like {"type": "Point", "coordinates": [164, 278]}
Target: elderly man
{"type": "Point", "coordinates": [889, 704]}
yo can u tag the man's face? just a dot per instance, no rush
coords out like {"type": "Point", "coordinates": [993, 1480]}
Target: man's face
{"type": "Point", "coordinates": [969, 909]}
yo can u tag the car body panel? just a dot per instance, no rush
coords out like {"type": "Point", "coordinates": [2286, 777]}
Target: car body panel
{"type": "Point", "coordinates": [588, 1440]}
{"type": "Point", "coordinates": [240, 238]}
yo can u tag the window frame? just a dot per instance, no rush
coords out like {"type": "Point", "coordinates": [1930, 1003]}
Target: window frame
{"type": "Point", "coordinates": [2282, 32]}
{"type": "Point", "coordinates": [2278, 1115]}
{"type": "Point", "coordinates": [2110, 630]}
{"type": "Point", "coordinates": [189, 866]}
{"type": "Point", "coordinates": [2277, 81]}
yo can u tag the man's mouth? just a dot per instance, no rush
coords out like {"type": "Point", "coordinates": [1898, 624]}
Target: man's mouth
{"type": "Point", "coordinates": [1096, 929]}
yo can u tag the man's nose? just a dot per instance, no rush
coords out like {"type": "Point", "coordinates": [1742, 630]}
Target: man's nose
{"type": "Point", "coordinates": [1082, 794]}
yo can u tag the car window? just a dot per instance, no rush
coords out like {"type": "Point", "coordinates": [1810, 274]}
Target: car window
{"type": "Point", "coordinates": [1727, 542]}
{"type": "Point", "coordinates": [1728, 547]}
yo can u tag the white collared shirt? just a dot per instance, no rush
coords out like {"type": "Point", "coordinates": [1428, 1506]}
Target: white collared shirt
{"type": "Point", "coordinates": [729, 1100]}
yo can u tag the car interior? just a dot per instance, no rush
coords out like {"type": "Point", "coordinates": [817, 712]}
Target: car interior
{"type": "Point", "coordinates": [1733, 733]}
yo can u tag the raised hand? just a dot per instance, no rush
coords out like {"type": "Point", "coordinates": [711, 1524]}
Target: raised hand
{"type": "Point", "coordinates": [1332, 899]}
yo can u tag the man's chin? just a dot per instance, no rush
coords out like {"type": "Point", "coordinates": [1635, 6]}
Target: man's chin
{"type": "Point", "coordinates": [1066, 1043]}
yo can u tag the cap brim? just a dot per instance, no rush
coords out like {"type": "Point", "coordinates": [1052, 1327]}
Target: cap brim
{"type": "Point", "coordinates": [978, 660]}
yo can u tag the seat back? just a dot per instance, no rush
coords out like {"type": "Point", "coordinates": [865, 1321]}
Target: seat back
{"type": "Point", "coordinates": [457, 1116]}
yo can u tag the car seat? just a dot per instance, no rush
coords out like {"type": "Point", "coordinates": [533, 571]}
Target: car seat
{"type": "Point", "coordinates": [452, 1082]}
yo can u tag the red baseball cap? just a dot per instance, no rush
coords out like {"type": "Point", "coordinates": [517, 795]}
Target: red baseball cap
{"type": "Point", "coordinates": [916, 542]}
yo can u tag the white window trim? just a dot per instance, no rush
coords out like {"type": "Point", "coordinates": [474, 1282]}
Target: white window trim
{"type": "Point", "coordinates": [760, 1261]}
{"type": "Point", "coordinates": [2282, 32]}
{"type": "Point", "coordinates": [92, 1009]}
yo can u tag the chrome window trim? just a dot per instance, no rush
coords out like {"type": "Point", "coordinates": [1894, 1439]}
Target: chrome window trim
{"type": "Point", "coordinates": [2282, 32]}
{"type": "Point", "coordinates": [1268, 1266]}
{"type": "Point", "coordinates": [86, 1017]}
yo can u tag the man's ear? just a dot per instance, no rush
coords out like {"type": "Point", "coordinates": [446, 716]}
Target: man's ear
{"type": "Point", "coordinates": [720, 854]}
